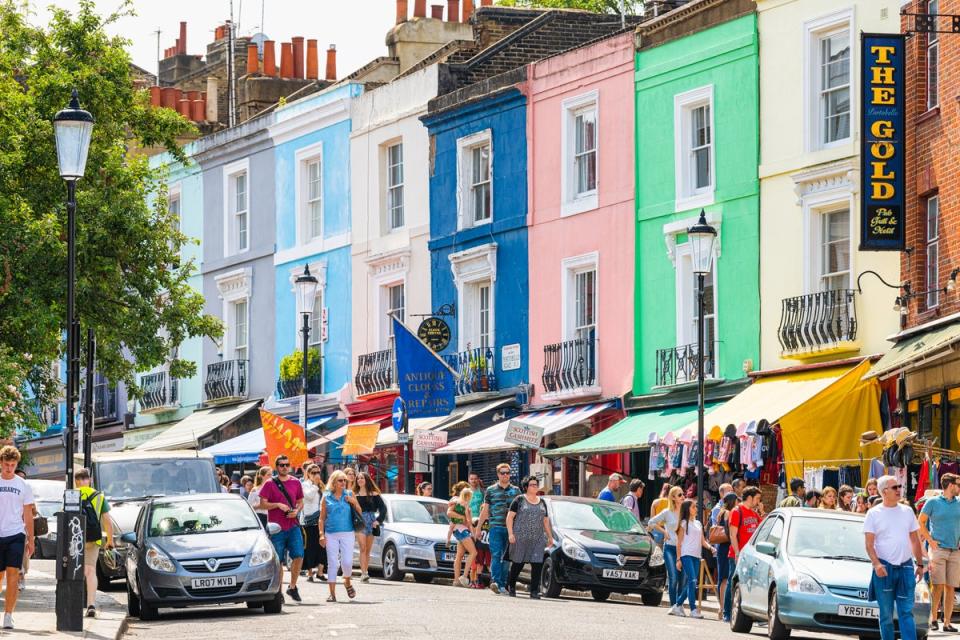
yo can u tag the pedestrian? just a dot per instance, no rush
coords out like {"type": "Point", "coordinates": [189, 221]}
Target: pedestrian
{"type": "Point", "coordinates": [724, 564]}
{"type": "Point", "coordinates": [26, 557]}
{"type": "Point", "coordinates": [862, 503]}
{"type": "Point", "coordinates": [483, 560]}
{"type": "Point", "coordinates": [16, 527]}
{"type": "Point", "coordinates": [476, 485]}
{"type": "Point", "coordinates": [528, 529]}
{"type": "Point", "coordinates": [632, 499]}
{"type": "Point", "coordinates": [743, 521]}
{"type": "Point", "coordinates": [797, 492]}
{"type": "Point", "coordinates": [723, 490]}
{"type": "Point", "coordinates": [872, 488]}
{"type": "Point", "coordinates": [666, 523]}
{"type": "Point", "coordinates": [235, 486]}
{"type": "Point", "coordinates": [811, 499]}
{"type": "Point", "coordinates": [690, 542]}
{"type": "Point", "coordinates": [845, 500]}
{"type": "Point", "coordinates": [892, 540]}
{"type": "Point", "coordinates": [425, 489]}
{"type": "Point", "coordinates": [99, 528]}
{"type": "Point", "coordinates": [461, 519]}
{"type": "Point", "coordinates": [314, 555]}
{"type": "Point", "coordinates": [351, 474]}
{"type": "Point", "coordinates": [374, 511]}
{"type": "Point", "coordinates": [224, 483]}
{"type": "Point", "coordinates": [828, 499]}
{"type": "Point", "coordinates": [609, 492]}
{"type": "Point", "coordinates": [263, 474]}
{"type": "Point", "coordinates": [246, 483]}
{"type": "Point", "coordinates": [337, 532]}
{"type": "Point", "coordinates": [282, 496]}
{"type": "Point", "coordinates": [940, 527]}
{"type": "Point", "coordinates": [496, 503]}
{"type": "Point", "coordinates": [658, 505]}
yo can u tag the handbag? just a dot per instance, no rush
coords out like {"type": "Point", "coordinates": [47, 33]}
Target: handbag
{"type": "Point", "coordinates": [40, 526]}
{"type": "Point", "coordinates": [718, 534]}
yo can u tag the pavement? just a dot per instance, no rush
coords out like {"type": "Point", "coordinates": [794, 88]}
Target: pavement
{"type": "Point", "coordinates": [35, 615]}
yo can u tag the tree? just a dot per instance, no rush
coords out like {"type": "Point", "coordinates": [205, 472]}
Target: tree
{"type": "Point", "coordinates": [130, 288]}
{"type": "Point", "coordinates": [630, 7]}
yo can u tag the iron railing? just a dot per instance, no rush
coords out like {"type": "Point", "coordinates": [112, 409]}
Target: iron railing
{"type": "Point", "coordinates": [569, 365]}
{"type": "Point", "coordinates": [476, 370]}
{"type": "Point", "coordinates": [227, 380]}
{"type": "Point", "coordinates": [817, 321]}
{"type": "Point", "coordinates": [160, 391]}
{"type": "Point", "coordinates": [677, 365]}
{"type": "Point", "coordinates": [376, 371]}
{"type": "Point", "coordinates": [104, 403]}
{"type": "Point", "coordinates": [291, 388]}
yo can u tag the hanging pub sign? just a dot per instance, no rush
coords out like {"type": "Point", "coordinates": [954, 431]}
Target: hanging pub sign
{"type": "Point", "coordinates": [882, 132]}
{"type": "Point", "coordinates": [435, 332]}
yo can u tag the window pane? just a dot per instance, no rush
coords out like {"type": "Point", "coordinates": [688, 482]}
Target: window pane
{"type": "Point", "coordinates": [835, 60]}
{"type": "Point", "coordinates": [835, 239]}
{"type": "Point", "coordinates": [702, 163]}
{"type": "Point", "coordinates": [315, 210]}
{"type": "Point", "coordinates": [314, 180]}
{"type": "Point", "coordinates": [397, 301]}
{"type": "Point", "coordinates": [241, 192]}
{"type": "Point", "coordinates": [240, 329]}
{"type": "Point", "coordinates": [315, 320]}
{"type": "Point", "coordinates": [933, 76]}
{"type": "Point", "coordinates": [835, 85]}
{"type": "Point", "coordinates": [242, 231]}
{"type": "Point", "coordinates": [933, 218]}
{"type": "Point", "coordinates": [483, 300]}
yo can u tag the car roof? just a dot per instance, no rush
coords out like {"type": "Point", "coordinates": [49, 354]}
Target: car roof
{"type": "Point", "coordinates": [800, 512]}
{"type": "Point", "coordinates": [110, 456]}
{"type": "Point", "coordinates": [194, 497]}
{"type": "Point", "coordinates": [404, 496]}
{"type": "Point", "coordinates": [580, 500]}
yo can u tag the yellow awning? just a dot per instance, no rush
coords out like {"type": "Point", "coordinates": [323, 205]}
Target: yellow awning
{"type": "Point", "coordinates": [361, 439]}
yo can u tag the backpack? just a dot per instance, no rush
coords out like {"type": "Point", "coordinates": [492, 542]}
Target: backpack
{"type": "Point", "coordinates": [94, 531]}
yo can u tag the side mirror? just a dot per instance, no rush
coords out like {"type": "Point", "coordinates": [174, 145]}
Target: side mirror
{"type": "Point", "coordinates": [767, 549]}
{"type": "Point", "coordinates": [273, 528]}
{"type": "Point", "coordinates": [129, 537]}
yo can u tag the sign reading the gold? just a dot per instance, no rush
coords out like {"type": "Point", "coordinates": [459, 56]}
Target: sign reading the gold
{"type": "Point", "coordinates": [882, 133]}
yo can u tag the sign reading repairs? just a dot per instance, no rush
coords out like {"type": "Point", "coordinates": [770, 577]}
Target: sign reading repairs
{"type": "Point", "coordinates": [882, 133]}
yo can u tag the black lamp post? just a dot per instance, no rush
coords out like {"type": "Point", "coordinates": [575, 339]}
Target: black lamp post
{"type": "Point", "coordinates": [73, 127]}
{"type": "Point", "coordinates": [306, 294]}
{"type": "Point", "coordinates": [701, 237]}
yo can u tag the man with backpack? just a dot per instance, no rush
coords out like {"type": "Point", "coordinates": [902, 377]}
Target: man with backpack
{"type": "Point", "coordinates": [95, 509]}
{"type": "Point", "coordinates": [632, 499]}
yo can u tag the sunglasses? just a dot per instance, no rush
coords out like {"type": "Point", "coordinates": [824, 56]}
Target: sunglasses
{"type": "Point", "coordinates": [283, 464]}
{"type": "Point", "coordinates": [895, 487]}
{"type": "Point", "coordinates": [503, 473]}
{"type": "Point", "coordinates": [341, 480]}
{"type": "Point", "coordinates": [314, 473]}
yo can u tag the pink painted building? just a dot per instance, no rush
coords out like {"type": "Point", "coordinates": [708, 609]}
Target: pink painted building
{"type": "Point", "coordinates": [580, 130]}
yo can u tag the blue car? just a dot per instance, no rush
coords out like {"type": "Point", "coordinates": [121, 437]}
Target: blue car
{"type": "Point", "coordinates": [808, 569]}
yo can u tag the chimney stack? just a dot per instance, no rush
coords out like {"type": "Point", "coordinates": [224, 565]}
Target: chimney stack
{"type": "Point", "coordinates": [313, 60]}
{"type": "Point", "coordinates": [286, 60]}
{"type": "Point", "coordinates": [419, 8]}
{"type": "Point", "coordinates": [269, 58]}
{"type": "Point", "coordinates": [183, 38]}
{"type": "Point", "coordinates": [467, 10]}
{"type": "Point", "coordinates": [332, 63]}
{"type": "Point", "coordinates": [436, 11]}
{"type": "Point", "coordinates": [297, 56]}
{"type": "Point", "coordinates": [212, 99]}
{"type": "Point", "coordinates": [453, 10]}
{"type": "Point", "coordinates": [253, 65]}
{"type": "Point", "coordinates": [401, 11]}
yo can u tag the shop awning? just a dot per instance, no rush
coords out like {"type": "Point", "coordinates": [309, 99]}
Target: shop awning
{"type": "Point", "coordinates": [472, 411]}
{"type": "Point", "coordinates": [361, 438]}
{"type": "Point", "coordinates": [184, 434]}
{"type": "Point", "coordinates": [915, 349]}
{"type": "Point", "coordinates": [551, 420]}
{"type": "Point", "coordinates": [243, 448]}
{"type": "Point", "coordinates": [631, 433]}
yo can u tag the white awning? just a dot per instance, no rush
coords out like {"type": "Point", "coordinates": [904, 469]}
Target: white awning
{"type": "Point", "coordinates": [552, 421]}
{"type": "Point", "coordinates": [184, 434]}
{"type": "Point", "coordinates": [472, 411]}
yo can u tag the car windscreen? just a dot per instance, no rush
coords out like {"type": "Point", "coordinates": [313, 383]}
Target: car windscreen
{"type": "Point", "coordinates": [595, 516]}
{"type": "Point", "coordinates": [47, 509]}
{"type": "Point", "coordinates": [202, 516]}
{"type": "Point", "coordinates": [837, 538]}
{"type": "Point", "coordinates": [131, 479]}
{"type": "Point", "coordinates": [424, 512]}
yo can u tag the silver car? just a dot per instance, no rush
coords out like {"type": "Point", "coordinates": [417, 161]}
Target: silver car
{"type": "Point", "coordinates": [198, 550]}
{"type": "Point", "coordinates": [413, 540]}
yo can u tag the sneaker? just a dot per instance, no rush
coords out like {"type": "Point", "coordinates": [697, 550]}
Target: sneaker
{"type": "Point", "coordinates": [294, 593]}
{"type": "Point", "coordinates": [8, 621]}
{"type": "Point", "coordinates": [696, 614]}
{"type": "Point", "coordinates": [512, 593]}
{"type": "Point", "coordinates": [535, 596]}
{"type": "Point", "coordinates": [91, 611]}
{"type": "Point", "coordinates": [495, 588]}
{"type": "Point", "coordinates": [464, 581]}
{"type": "Point", "coordinates": [676, 610]}
{"type": "Point", "coordinates": [364, 577]}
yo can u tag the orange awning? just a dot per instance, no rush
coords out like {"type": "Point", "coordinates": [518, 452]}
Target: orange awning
{"type": "Point", "coordinates": [361, 438]}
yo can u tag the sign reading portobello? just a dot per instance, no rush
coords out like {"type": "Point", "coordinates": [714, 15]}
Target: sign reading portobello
{"type": "Point", "coordinates": [882, 132]}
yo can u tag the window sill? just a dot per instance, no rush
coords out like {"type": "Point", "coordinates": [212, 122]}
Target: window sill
{"type": "Point", "coordinates": [582, 204]}
{"type": "Point", "coordinates": [695, 201]}
{"type": "Point", "coordinates": [476, 225]}
{"type": "Point", "coordinates": [930, 114]}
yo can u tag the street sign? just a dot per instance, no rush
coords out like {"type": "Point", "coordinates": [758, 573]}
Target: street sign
{"type": "Point", "coordinates": [403, 437]}
{"type": "Point", "coordinates": [525, 435]}
{"type": "Point", "coordinates": [399, 414]}
{"type": "Point", "coordinates": [426, 440]}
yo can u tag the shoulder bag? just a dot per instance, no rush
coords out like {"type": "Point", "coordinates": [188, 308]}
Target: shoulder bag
{"type": "Point", "coordinates": [719, 533]}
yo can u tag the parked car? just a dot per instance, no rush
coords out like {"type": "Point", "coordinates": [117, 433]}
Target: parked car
{"type": "Point", "coordinates": [199, 550]}
{"type": "Point", "coordinates": [413, 540]}
{"type": "Point", "coordinates": [48, 498]}
{"type": "Point", "coordinates": [808, 569]}
{"type": "Point", "coordinates": [602, 548]}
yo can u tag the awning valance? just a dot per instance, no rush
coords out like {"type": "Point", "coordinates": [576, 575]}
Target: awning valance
{"type": "Point", "coordinates": [915, 349]}
{"type": "Point", "coordinates": [243, 448]}
{"type": "Point", "coordinates": [186, 433]}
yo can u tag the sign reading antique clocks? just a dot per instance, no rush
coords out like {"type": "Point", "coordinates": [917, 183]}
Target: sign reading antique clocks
{"type": "Point", "coordinates": [435, 332]}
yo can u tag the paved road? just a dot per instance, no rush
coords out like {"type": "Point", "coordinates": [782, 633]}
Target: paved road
{"type": "Point", "coordinates": [388, 611]}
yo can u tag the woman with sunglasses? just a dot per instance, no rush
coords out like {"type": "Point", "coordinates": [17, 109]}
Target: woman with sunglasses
{"type": "Point", "coordinates": [666, 522]}
{"type": "Point", "coordinates": [351, 474]}
{"type": "Point", "coordinates": [337, 533]}
{"type": "Point", "coordinates": [314, 555]}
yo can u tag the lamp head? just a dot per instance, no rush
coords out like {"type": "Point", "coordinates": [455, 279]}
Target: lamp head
{"type": "Point", "coordinates": [73, 127]}
{"type": "Point", "coordinates": [306, 285]}
{"type": "Point", "coordinates": [701, 237]}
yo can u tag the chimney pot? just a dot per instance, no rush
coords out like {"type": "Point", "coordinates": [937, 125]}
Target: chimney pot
{"type": "Point", "coordinates": [155, 96]}
{"type": "Point", "coordinates": [253, 64]}
{"type": "Point", "coordinates": [183, 37]}
{"type": "Point", "coordinates": [269, 58]}
{"type": "Point", "coordinates": [169, 97]}
{"type": "Point", "coordinates": [419, 8]}
{"type": "Point", "coordinates": [197, 110]}
{"type": "Point", "coordinates": [331, 73]}
{"type": "Point", "coordinates": [183, 106]}
{"type": "Point", "coordinates": [313, 60]}
{"type": "Point", "coordinates": [286, 60]}
{"type": "Point", "coordinates": [297, 56]}
{"type": "Point", "coordinates": [453, 10]}
{"type": "Point", "coordinates": [467, 10]}
{"type": "Point", "coordinates": [436, 11]}
{"type": "Point", "coordinates": [401, 11]}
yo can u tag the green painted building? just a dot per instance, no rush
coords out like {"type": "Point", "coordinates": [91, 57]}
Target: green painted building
{"type": "Point", "coordinates": [697, 137]}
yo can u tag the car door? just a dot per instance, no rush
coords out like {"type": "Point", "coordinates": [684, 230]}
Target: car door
{"type": "Point", "coordinates": [766, 565]}
{"type": "Point", "coordinates": [752, 594]}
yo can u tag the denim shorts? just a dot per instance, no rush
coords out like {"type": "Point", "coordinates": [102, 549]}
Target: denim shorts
{"type": "Point", "coordinates": [369, 517]}
{"type": "Point", "coordinates": [289, 541]}
{"type": "Point", "coordinates": [461, 534]}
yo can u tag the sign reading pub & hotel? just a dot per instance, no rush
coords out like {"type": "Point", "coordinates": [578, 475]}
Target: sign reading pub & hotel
{"type": "Point", "coordinates": [882, 132]}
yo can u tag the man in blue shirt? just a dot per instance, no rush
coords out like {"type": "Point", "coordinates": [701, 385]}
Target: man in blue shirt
{"type": "Point", "coordinates": [496, 504]}
{"type": "Point", "coordinates": [609, 492]}
{"type": "Point", "coordinates": [940, 527]}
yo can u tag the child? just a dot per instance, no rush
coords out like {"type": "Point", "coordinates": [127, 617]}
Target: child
{"type": "Point", "coordinates": [482, 561]}
{"type": "Point", "coordinates": [459, 515]}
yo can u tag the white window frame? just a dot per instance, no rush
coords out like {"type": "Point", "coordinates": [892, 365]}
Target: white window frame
{"type": "Point", "coordinates": [813, 205]}
{"type": "Point", "coordinates": [933, 44]}
{"type": "Point", "coordinates": [572, 202]}
{"type": "Point", "coordinates": [814, 31]}
{"type": "Point", "coordinates": [234, 331]}
{"type": "Point", "coordinates": [234, 286]}
{"type": "Point", "coordinates": [932, 271]}
{"type": "Point", "coordinates": [386, 331]}
{"type": "Point", "coordinates": [231, 245]}
{"type": "Point", "coordinates": [687, 196]}
{"type": "Point", "coordinates": [389, 188]}
{"type": "Point", "coordinates": [819, 243]}
{"type": "Point", "coordinates": [473, 267]}
{"type": "Point", "coordinates": [465, 147]}
{"type": "Point", "coordinates": [302, 159]}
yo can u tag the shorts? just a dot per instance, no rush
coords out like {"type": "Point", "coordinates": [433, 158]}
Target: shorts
{"type": "Point", "coordinates": [369, 517]}
{"type": "Point", "coordinates": [91, 553]}
{"type": "Point", "coordinates": [11, 551]}
{"type": "Point", "coordinates": [945, 567]}
{"type": "Point", "coordinates": [483, 557]}
{"type": "Point", "coordinates": [461, 534]}
{"type": "Point", "coordinates": [289, 541]}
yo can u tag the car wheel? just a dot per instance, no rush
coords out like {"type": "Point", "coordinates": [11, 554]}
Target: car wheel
{"type": "Point", "coordinates": [133, 603]}
{"type": "Point", "coordinates": [275, 605]}
{"type": "Point", "coordinates": [423, 578]}
{"type": "Point", "coordinates": [739, 621]}
{"type": "Point", "coordinates": [775, 629]}
{"type": "Point", "coordinates": [654, 599]}
{"type": "Point", "coordinates": [600, 595]}
{"type": "Point", "coordinates": [148, 612]}
{"type": "Point", "coordinates": [391, 564]}
{"type": "Point", "coordinates": [549, 585]}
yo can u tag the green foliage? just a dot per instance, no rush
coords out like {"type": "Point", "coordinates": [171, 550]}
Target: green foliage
{"type": "Point", "coordinates": [291, 366]}
{"type": "Point", "coordinates": [130, 288]}
{"type": "Point", "coordinates": [631, 7]}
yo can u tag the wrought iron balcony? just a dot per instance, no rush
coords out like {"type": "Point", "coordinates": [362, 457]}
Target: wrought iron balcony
{"type": "Point", "coordinates": [376, 371]}
{"type": "Point", "coordinates": [291, 388]}
{"type": "Point", "coordinates": [678, 365]}
{"type": "Point", "coordinates": [476, 370]}
{"type": "Point", "coordinates": [104, 403]}
{"type": "Point", "coordinates": [160, 392]}
{"type": "Point", "coordinates": [817, 321]}
{"type": "Point", "coordinates": [227, 380]}
{"type": "Point", "coordinates": [569, 365]}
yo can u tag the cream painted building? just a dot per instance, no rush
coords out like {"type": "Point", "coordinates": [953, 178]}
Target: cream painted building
{"type": "Point", "coordinates": [809, 185]}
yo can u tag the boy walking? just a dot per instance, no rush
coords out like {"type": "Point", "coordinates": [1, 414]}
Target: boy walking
{"type": "Point", "coordinates": [16, 527]}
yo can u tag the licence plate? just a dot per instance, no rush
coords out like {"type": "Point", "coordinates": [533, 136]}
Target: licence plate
{"type": "Point", "coordinates": [621, 574]}
{"type": "Point", "coordinates": [213, 583]}
{"type": "Point", "coordinates": [855, 611]}
{"type": "Point", "coordinates": [448, 557]}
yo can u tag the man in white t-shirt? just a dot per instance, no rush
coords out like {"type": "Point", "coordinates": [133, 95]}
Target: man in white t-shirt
{"type": "Point", "coordinates": [893, 544]}
{"type": "Point", "coordinates": [16, 527]}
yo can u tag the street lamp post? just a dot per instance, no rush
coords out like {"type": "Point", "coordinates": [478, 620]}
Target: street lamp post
{"type": "Point", "coordinates": [73, 127]}
{"type": "Point", "coordinates": [306, 285]}
{"type": "Point", "coordinates": [701, 237]}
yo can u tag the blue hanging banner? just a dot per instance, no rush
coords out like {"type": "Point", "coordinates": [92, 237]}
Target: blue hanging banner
{"type": "Point", "coordinates": [427, 383]}
{"type": "Point", "coordinates": [882, 134]}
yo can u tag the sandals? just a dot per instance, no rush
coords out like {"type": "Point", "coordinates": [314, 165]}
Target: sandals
{"type": "Point", "coordinates": [331, 598]}
{"type": "Point", "coordinates": [351, 592]}
{"type": "Point", "coordinates": [949, 628]}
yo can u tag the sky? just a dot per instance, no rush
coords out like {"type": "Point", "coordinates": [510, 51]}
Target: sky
{"type": "Point", "coordinates": [357, 27]}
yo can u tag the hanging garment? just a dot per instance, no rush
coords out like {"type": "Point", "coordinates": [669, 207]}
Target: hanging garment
{"type": "Point", "coordinates": [923, 479]}
{"type": "Point", "coordinates": [947, 467]}
{"type": "Point", "coordinates": [830, 478]}
{"type": "Point", "coordinates": [900, 473]}
{"type": "Point", "coordinates": [877, 468]}
{"type": "Point", "coordinates": [850, 475]}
